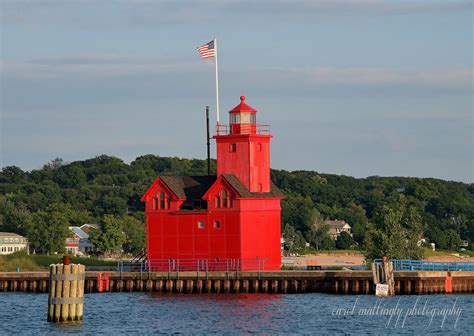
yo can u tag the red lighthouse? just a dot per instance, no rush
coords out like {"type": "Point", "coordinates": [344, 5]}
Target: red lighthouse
{"type": "Point", "coordinates": [228, 221]}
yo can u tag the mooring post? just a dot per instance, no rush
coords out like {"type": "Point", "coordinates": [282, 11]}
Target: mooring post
{"type": "Point", "coordinates": [66, 292]}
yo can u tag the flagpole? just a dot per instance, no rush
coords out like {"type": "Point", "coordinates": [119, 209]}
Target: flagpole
{"type": "Point", "coordinates": [217, 84]}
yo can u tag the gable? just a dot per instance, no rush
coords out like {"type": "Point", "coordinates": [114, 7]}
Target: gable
{"type": "Point", "coordinates": [220, 184]}
{"type": "Point", "coordinates": [157, 186]}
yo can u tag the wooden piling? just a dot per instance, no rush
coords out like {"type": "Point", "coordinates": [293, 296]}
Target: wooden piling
{"type": "Point", "coordinates": [73, 292]}
{"type": "Point", "coordinates": [59, 291]}
{"type": "Point", "coordinates": [226, 286]}
{"type": "Point", "coordinates": [80, 292]}
{"type": "Point", "coordinates": [236, 286]}
{"type": "Point", "coordinates": [274, 286]}
{"type": "Point", "coordinates": [52, 291]}
{"type": "Point", "coordinates": [245, 286]}
{"type": "Point", "coordinates": [66, 292]}
{"type": "Point", "coordinates": [199, 286]}
{"type": "Point", "coordinates": [284, 286]}
{"type": "Point", "coordinates": [208, 286]}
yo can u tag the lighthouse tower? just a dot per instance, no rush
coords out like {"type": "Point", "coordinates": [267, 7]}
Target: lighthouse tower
{"type": "Point", "coordinates": [230, 221]}
{"type": "Point", "coordinates": [243, 148]}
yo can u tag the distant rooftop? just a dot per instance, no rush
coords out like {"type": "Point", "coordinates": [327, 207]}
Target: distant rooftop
{"type": "Point", "coordinates": [10, 234]}
{"type": "Point", "coordinates": [336, 224]}
{"type": "Point", "coordinates": [77, 230]}
{"type": "Point", "coordinates": [88, 226]}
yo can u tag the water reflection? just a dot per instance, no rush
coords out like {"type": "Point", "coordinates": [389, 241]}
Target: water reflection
{"type": "Point", "coordinates": [142, 313]}
{"type": "Point", "coordinates": [233, 312]}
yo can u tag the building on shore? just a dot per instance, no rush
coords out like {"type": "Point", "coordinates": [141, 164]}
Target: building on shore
{"type": "Point", "coordinates": [230, 220]}
{"type": "Point", "coordinates": [12, 242]}
{"type": "Point", "coordinates": [79, 242]}
{"type": "Point", "coordinates": [336, 227]}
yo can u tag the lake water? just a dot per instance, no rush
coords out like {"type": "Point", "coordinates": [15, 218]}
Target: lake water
{"type": "Point", "coordinates": [144, 313]}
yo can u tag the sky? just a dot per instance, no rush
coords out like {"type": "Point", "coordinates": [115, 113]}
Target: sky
{"type": "Point", "coordinates": [353, 87]}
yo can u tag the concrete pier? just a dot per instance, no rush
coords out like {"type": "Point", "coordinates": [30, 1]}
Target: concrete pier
{"type": "Point", "coordinates": [335, 282]}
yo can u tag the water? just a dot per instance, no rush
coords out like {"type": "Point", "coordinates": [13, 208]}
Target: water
{"type": "Point", "coordinates": [145, 313]}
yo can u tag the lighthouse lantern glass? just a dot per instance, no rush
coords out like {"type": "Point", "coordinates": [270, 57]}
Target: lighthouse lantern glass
{"type": "Point", "coordinates": [243, 118]}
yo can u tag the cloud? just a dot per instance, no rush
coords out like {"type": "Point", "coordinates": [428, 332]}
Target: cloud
{"type": "Point", "coordinates": [166, 12]}
{"type": "Point", "coordinates": [449, 78]}
{"type": "Point", "coordinates": [93, 66]}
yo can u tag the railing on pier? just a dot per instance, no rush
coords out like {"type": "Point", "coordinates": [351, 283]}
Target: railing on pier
{"type": "Point", "coordinates": [425, 265]}
{"type": "Point", "coordinates": [193, 265]}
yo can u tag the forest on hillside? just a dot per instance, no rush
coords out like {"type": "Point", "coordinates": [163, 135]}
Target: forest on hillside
{"type": "Point", "coordinates": [42, 203]}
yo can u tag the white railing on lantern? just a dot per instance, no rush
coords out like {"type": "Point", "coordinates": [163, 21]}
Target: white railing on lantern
{"type": "Point", "coordinates": [260, 129]}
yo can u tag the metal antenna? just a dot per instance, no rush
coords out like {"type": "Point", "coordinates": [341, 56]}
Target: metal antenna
{"type": "Point", "coordinates": [208, 143]}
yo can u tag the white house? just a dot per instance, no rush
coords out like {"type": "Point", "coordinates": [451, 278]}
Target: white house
{"type": "Point", "coordinates": [12, 242]}
{"type": "Point", "coordinates": [79, 242]}
{"type": "Point", "coordinates": [336, 227]}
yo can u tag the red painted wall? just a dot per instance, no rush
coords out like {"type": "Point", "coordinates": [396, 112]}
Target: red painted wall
{"type": "Point", "coordinates": [260, 231]}
{"type": "Point", "coordinates": [249, 233]}
{"type": "Point", "coordinates": [177, 235]}
{"type": "Point", "coordinates": [250, 165]}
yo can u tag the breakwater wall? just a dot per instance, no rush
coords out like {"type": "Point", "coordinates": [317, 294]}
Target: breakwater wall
{"type": "Point", "coordinates": [335, 282]}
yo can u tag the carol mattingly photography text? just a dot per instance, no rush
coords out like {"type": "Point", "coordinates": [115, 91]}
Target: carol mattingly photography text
{"type": "Point", "coordinates": [397, 314]}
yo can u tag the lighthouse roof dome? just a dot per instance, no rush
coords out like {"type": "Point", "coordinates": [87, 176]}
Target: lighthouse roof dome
{"type": "Point", "coordinates": [243, 107]}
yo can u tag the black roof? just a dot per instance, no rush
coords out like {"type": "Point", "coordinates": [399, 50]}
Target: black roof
{"type": "Point", "coordinates": [189, 187]}
{"type": "Point", "coordinates": [194, 187]}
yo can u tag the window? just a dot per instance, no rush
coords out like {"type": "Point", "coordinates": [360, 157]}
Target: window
{"type": "Point", "coordinates": [259, 147]}
{"type": "Point", "coordinates": [155, 203]}
{"type": "Point", "coordinates": [201, 225]}
{"type": "Point", "coordinates": [162, 200]}
{"type": "Point", "coordinates": [168, 202]}
{"type": "Point", "coordinates": [246, 118]}
{"type": "Point", "coordinates": [235, 118]}
{"type": "Point", "coordinates": [218, 201]}
{"type": "Point", "coordinates": [217, 224]}
{"type": "Point", "coordinates": [233, 148]}
{"type": "Point", "coordinates": [224, 199]}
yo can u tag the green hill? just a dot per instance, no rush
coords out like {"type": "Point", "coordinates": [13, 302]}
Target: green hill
{"type": "Point", "coordinates": [41, 203]}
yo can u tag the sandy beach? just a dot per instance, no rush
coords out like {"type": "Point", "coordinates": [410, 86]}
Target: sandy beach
{"type": "Point", "coordinates": [355, 259]}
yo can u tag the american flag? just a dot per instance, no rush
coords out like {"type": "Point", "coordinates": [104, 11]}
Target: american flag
{"type": "Point", "coordinates": [207, 50]}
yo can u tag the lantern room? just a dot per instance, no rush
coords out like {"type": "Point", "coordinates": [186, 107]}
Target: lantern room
{"type": "Point", "coordinates": [243, 148]}
{"type": "Point", "coordinates": [243, 118]}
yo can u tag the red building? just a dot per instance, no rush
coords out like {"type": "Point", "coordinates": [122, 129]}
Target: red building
{"type": "Point", "coordinates": [228, 221]}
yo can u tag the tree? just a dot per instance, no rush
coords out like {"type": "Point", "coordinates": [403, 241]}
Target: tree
{"type": "Point", "coordinates": [13, 217]}
{"type": "Point", "coordinates": [319, 236]}
{"type": "Point", "coordinates": [452, 239]}
{"type": "Point", "coordinates": [395, 232]}
{"type": "Point", "coordinates": [294, 241]}
{"type": "Point", "coordinates": [49, 231]}
{"type": "Point", "coordinates": [297, 211]}
{"type": "Point", "coordinates": [135, 232]}
{"type": "Point", "coordinates": [112, 238]}
{"type": "Point", "coordinates": [344, 241]}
